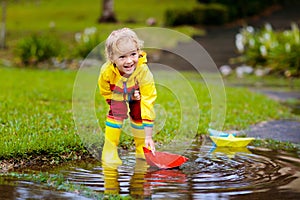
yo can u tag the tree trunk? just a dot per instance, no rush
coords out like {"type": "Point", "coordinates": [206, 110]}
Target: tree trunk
{"type": "Point", "coordinates": [108, 14]}
{"type": "Point", "coordinates": [3, 26]}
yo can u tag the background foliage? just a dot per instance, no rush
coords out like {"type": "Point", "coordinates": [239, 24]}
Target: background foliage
{"type": "Point", "coordinates": [266, 48]}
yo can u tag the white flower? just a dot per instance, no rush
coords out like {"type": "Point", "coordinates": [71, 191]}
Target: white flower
{"type": "Point", "coordinates": [239, 72]}
{"type": "Point", "coordinates": [250, 29]}
{"type": "Point", "coordinates": [247, 69]}
{"type": "Point", "coordinates": [77, 37]}
{"type": "Point", "coordinates": [286, 33]}
{"type": "Point", "coordinates": [251, 42]}
{"type": "Point", "coordinates": [263, 50]}
{"type": "Point", "coordinates": [295, 30]}
{"type": "Point", "coordinates": [90, 31]}
{"type": "Point", "coordinates": [244, 69]}
{"type": "Point", "coordinates": [287, 47]}
{"type": "Point", "coordinates": [295, 27]}
{"type": "Point", "coordinates": [268, 27]}
{"type": "Point", "coordinates": [267, 36]}
{"type": "Point", "coordinates": [239, 42]}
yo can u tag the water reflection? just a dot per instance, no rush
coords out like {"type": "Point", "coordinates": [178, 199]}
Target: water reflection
{"type": "Point", "coordinates": [166, 184]}
{"type": "Point", "coordinates": [230, 152]}
{"type": "Point", "coordinates": [113, 176]}
{"type": "Point", "coordinates": [111, 184]}
{"type": "Point", "coordinates": [142, 180]}
{"type": "Point", "coordinates": [138, 188]}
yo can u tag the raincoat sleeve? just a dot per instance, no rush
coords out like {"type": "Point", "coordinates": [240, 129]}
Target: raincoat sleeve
{"type": "Point", "coordinates": [148, 96]}
{"type": "Point", "coordinates": [104, 84]}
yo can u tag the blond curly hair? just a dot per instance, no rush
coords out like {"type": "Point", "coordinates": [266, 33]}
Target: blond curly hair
{"type": "Point", "coordinates": [120, 41]}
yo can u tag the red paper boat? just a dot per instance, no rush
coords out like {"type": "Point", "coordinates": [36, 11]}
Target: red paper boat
{"type": "Point", "coordinates": [163, 160]}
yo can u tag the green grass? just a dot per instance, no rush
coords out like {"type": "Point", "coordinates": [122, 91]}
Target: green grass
{"type": "Point", "coordinates": [36, 114]}
{"type": "Point", "coordinates": [243, 107]}
{"type": "Point", "coordinates": [74, 15]}
{"type": "Point", "coordinates": [36, 111]}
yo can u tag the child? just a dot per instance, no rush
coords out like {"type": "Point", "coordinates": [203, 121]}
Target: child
{"type": "Point", "coordinates": [127, 84]}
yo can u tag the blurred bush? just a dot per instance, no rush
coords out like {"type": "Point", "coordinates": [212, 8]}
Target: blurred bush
{"type": "Point", "coordinates": [37, 48]}
{"type": "Point", "coordinates": [243, 8]}
{"type": "Point", "coordinates": [216, 12]}
{"type": "Point", "coordinates": [210, 14]}
{"type": "Point", "coordinates": [176, 17]}
{"type": "Point", "coordinates": [277, 50]}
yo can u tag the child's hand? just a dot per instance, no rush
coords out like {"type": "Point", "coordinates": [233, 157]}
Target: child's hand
{"type": "Point", "coordinates": [136, 95]}
{"type": "Point", "coordinates": [150, 144]}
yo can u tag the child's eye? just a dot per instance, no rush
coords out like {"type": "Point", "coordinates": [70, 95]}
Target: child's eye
{"type": "Point", "coordinates": [121, 57]}
{"type": "Point", "coordinates": [134, 54]}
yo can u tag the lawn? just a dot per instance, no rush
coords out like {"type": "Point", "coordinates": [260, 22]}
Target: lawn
{"type": "Point", "coordinates": [36, 115]}
{"type": "Point", "coordinates": [37, 118]}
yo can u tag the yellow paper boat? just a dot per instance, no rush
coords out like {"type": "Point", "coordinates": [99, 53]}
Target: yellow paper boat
{"type": "Point", "coordinates": [231, 141]}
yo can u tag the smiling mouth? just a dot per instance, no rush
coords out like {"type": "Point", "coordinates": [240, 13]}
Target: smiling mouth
{"type": "Point", "coordinates": [127, 67]}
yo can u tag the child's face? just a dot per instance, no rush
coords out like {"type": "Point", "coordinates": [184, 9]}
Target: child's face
{"type": "Point", "coordinates": [126, 60]}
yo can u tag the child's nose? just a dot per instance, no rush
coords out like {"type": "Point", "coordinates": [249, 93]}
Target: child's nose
{"type": "Point", "coordinates": [128, 59]}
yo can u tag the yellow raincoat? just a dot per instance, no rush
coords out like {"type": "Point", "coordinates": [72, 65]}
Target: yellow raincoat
{"type": "Point", "coordinates": [113, 86]}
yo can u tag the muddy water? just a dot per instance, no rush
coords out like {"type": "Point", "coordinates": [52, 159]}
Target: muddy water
{"type": "Point", "coordinates": [210, 173]}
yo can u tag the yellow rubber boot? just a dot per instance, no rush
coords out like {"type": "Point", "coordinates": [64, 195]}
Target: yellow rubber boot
{"type": "Point", "coordinates": [110, 148]}
{"type": "Point", "coordinates": [139, 140]}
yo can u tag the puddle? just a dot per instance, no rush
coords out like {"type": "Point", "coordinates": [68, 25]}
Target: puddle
{"type": "Point", "coordinates": [211, 173]}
